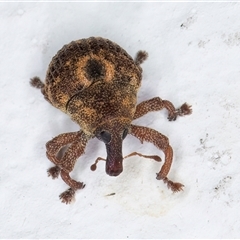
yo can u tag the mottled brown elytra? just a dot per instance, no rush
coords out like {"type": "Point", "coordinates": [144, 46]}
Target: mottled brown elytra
{"type": "Point", "coordinates": [96, 83]}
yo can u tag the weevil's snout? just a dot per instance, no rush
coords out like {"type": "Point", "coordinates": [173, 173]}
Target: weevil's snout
{"type": "Point", "coordinates": [114, 160]}
{"type": "Point", "coordinates": [113, 135]}
{"type": "Point", "coordinates": [114, 167]}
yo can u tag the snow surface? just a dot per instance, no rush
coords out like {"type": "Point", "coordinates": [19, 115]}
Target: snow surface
{"type": "Point", "coordinates": [194, 56]}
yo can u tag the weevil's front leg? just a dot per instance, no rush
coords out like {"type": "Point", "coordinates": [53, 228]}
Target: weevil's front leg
{"type": "Point", "coordinates": [156, 104]}
{"type": "Point", "coordinates": [77, 143]}
{"type": "Point", "coordinates": [161, 142]}
{"type": "Point", "coordinates": [75, 150]}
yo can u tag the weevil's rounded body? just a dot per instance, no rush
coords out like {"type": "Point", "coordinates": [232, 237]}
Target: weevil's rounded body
{"type": "Point", "coordinates": [96, 82]}
{"type": "Point", "coordinates": [93, 80]}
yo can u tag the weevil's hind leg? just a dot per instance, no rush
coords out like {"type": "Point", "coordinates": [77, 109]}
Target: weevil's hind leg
{"type": "Point", "coordinates": [157, 104]}
{"type": "Point", "coordinates": [161, 142]}
{"type": "Point", "coordinates": [64, 166]}
{"type": "Point", "coordinates": [37, 83]}
{"type": "Point", "coordinates": [140, 57]}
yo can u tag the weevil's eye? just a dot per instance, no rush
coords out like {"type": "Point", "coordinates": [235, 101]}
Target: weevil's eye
{"type": "Point", "coordinates": [125, 132]}
{"type": "Point", "coordinates": [105, 136]}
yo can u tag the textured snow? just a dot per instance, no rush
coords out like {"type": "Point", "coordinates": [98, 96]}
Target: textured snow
{"type": "Point", "coordinates": [194, 56]}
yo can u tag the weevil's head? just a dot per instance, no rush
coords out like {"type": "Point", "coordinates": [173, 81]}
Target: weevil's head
{"type": "Point", "coordinates": [112, 133]}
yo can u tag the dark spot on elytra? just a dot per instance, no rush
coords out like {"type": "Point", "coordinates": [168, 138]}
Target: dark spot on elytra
{"type": "Point", "coordinates": [95, 70]}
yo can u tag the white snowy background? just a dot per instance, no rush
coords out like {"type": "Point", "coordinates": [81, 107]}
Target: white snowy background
{"type": "Point", "coordinates": [194, 56]}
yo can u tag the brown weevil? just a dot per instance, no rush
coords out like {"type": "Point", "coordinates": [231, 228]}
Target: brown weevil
{"type": "Point", "coordinates": [96, 83]}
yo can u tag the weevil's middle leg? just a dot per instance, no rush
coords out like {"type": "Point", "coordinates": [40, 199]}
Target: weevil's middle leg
{"type": "Point", "coordinates": [157, 104]}
{"type": "Point", "coordinates": [54, 146]}
{"type": "Point", "coordinates": [161, 142]}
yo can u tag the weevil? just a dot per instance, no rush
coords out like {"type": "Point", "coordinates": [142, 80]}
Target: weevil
{"type": "Point", "coordinates": [96, 83]}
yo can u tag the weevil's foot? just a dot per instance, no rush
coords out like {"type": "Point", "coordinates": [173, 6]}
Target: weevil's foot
{"type": "Point", "coordinates": [36, 82]}
{"type": "Point", "coordinates": [79, 185]}
{"type": "Point", "coordinates": [68, 196]}
{"type": "Point", "coordinates": [185, 109]}
{"type": "Point", "coordinates": [174, 186]}
{"type": "Point", "coordinates": [141, 57]}
{"type": "Point", "coordinates": [54, 172]}
{"type": "Point", "coordinates": [172, 116]}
